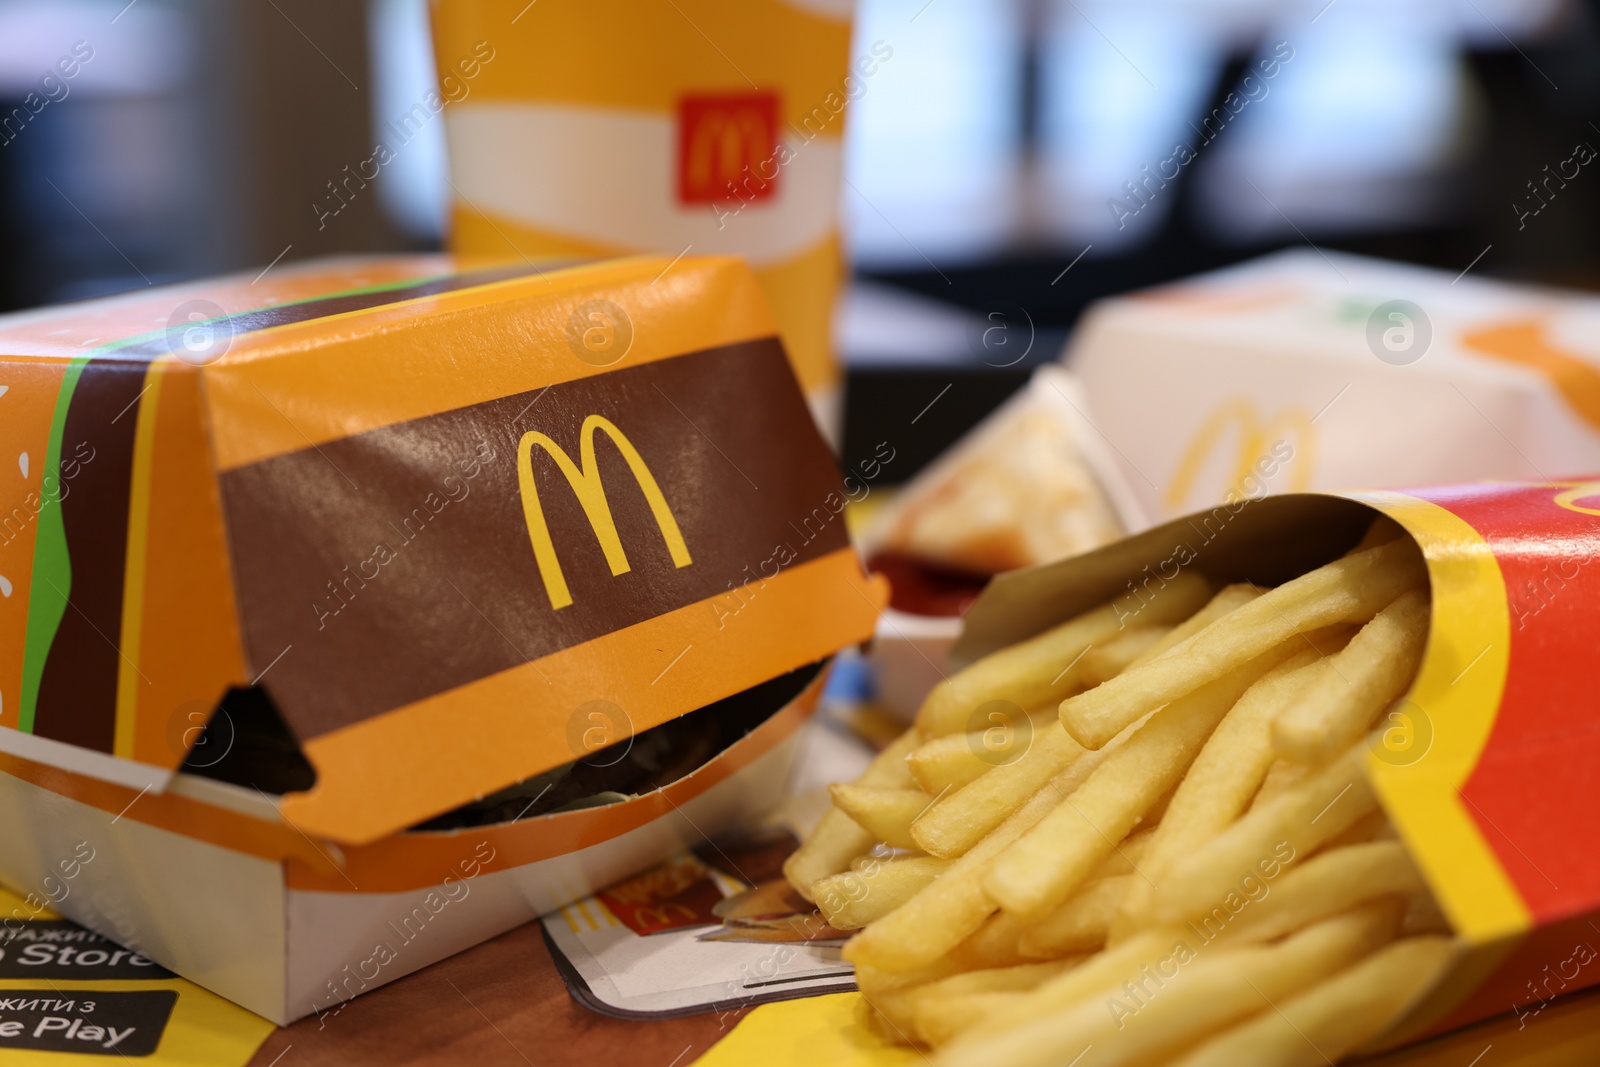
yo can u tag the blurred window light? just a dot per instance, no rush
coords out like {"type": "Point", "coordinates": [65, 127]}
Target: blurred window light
{"type": "Point", "coordinates": [1361, 129]}
{"type": "Point", "coordinates": [880, 325]}
{"type": "Point", "coordinates": [412, 186]}
{"type": "Point", "coordinates": [932, 146]}
{"type": "Point", "coordinates": [1118, 92]}
{"type": "Point", "coordinates": [143, 49]}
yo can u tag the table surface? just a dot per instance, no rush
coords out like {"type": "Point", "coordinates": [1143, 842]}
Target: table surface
{"type": "Point", "coordinates": [503, 1003]}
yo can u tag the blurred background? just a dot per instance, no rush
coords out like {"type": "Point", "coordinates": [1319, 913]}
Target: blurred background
{"type": "Point", "coordinates": [1017, 159]}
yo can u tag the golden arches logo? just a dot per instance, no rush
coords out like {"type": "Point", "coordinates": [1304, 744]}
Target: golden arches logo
{"type": "Point", "coordinates": [583, 478]}
{"type": "Point", "coordinates": [723, 145]}
{"type": "Point", "coordinates": [1258, 444]}
{"type": "Point", "coordinates": [726, 145]}
{"type": "Point", "coordinates": [1574, 492]}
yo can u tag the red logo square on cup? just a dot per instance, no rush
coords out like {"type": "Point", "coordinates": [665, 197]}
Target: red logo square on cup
{"type": "Point", "coordinates": [727, 144]}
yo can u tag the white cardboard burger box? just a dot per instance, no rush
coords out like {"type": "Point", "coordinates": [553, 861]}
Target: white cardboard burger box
{"type": "Point", "coordinates": [1313, 371]}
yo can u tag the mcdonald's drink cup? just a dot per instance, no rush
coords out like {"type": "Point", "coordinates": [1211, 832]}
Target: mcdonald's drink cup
{"type": "Point", "coordinates": [1308, 370]}
{"type": "Point", "coordinates": [335, 603]}
{"type": "Point", "coordinates": [699, 127]}
{"type": "Point", "coordinates": [1486, 766]}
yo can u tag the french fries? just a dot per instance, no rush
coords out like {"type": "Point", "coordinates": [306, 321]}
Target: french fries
{"type": "Point", "coordinates": [1188, 864]}
{"type": "Point", "coordinates": [1224, 776]}
{"type": "Point", "coordinates": [1337, 1017]}
{"type": "Point", "coordinates": [942, 1009]}
{"type": "Point", "coordinates": [1046, 865]}
{"type": "Point", "coordinates": [950, 762]}
{"type": "Point", "coordinates": [1160, 1010]}
{"type": "Point", "coordinates": [1225, 602]}
{"type": "Point", "coordinates": [1281, 776]}
{"type": "Point", "coordinates": [1349, 590]}
{"type": "Point", "coordinates": [1043, 669]}
{"type": "Point", "coordinates": [855, 898]}
{"type": "Point", "coordinates": [1290, 827]}
{"type": "Point", "coordinates": [960, 820]}
{"type": "Point", "coordinates": [837, 839]}
{"type": "Point", "coordinates": [1373, 826]}
{"type": "Point", "coordinates": [947, 763]}
{"type": "Point", "coordinates": [936, 920]}
{"type": "Point", "coordinates": [1127, 857]}
{"type": "Point", "coordinates": [1381, 532]}
{"type": "Point", "coordinates": [1118, 654]}
{"type": "Point", "coordinates": [994, 945]}
{"type": "Point", "coordinates": [886, 814]}
{"type": "Point", "coordinates": [1330, 882]}
{"type": "Point", "coordinates": [1372, 670]}
{"type": "Point", "coordinates": [1081, 923]}
{"type": "Point", "coordinates": [940, 1019]}
{"type": "Point", "coordinates": [1100, 972]}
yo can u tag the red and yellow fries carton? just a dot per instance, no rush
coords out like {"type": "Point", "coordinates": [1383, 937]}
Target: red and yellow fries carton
{"type": "Point", "coordinates": [700, 127]}
{"type": "Point", "coordinates": [1487, 768]}
{"type": "Point", "coordinates": [442, 547]}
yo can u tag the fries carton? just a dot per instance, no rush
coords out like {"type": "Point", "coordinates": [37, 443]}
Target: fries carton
{"type": "Point", "coordinates": [427, 534]}
{"type": "Point", "coordinates": [1486, 767]}
{"type": "Point", "coordinates": [1317, 371]}
{"type": "Point", "coordinates": [702, 126]}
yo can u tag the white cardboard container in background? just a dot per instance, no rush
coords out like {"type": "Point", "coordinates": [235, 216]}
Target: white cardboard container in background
{"type": "Point", "coordinates": [1192, 384]}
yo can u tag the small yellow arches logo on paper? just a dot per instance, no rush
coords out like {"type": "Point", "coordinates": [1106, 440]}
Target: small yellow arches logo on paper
{"type": "Point", "coordinates": [1254, 440]}
{"type": "Point", "coordinates": [583, 478]}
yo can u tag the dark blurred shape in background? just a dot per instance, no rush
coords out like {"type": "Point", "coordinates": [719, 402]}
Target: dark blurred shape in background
{"type": "Point", "coordinates": [1015, 159]}
{"type": "Point", "coordinates": [193, 138]}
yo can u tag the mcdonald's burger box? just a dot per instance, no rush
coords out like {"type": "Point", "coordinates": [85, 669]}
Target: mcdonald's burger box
{"type": "Point", "coordinates": [508, 582]}
{"type": "Point", "coordinates": [1307, 370]}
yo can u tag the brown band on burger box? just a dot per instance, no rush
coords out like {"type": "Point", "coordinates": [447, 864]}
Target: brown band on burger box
{"type": "Point", "coordinates": [394, 580]}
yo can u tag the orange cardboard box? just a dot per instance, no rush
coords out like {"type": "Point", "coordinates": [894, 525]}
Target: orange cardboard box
{"type": "Point", "coordinates": [1488, 769]}
{"type": "Point", "coordinates": [427, 531]}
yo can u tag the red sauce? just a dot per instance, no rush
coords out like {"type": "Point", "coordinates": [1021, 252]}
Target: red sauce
{"type": "Point", "coordinates": [927, 589]}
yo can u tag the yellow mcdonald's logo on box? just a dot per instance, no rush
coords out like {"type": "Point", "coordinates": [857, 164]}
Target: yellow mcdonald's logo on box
{"type": "Point", "coordinates": [584, 479]}
{"type": "Point", "coordinates": [1259, 443]}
